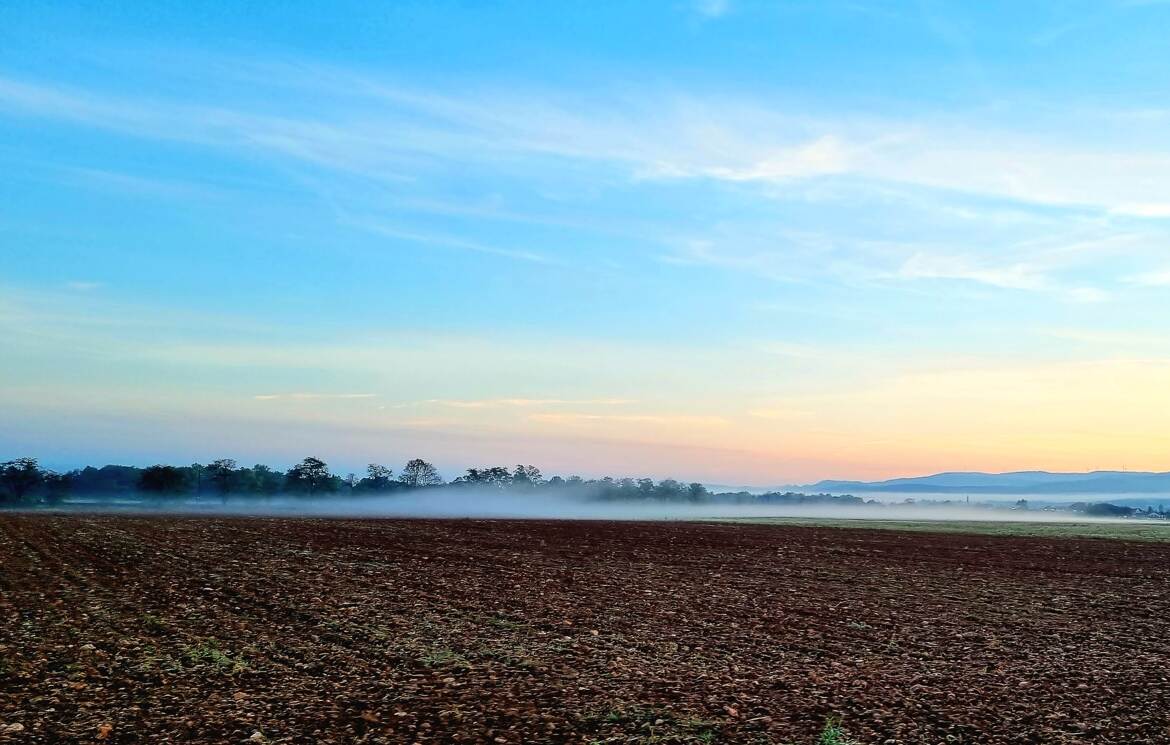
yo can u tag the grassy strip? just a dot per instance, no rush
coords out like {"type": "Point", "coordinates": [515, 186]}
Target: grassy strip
{"type": "Point", "coordinates": [1130, 531]}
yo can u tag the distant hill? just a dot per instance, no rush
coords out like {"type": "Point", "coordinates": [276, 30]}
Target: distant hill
{"type": "Point", "coordinates": [1016, 482]}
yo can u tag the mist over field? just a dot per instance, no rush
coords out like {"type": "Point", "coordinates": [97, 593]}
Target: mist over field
{"type": "Point", "coordinates": [581, 505]}
{"type": "Point", "coordinates": [310, 488]}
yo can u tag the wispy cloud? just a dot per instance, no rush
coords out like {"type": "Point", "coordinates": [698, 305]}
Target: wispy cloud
{"type": "Point", "coordinates": [1109, 337]}
{"type": "Point", "coordinates": [1143, 209]}
{"type": "Point", "coordinates": [700, 421]}
{"type": "Point", "coordinates": [821, 156]}
{"type": "Point", "coordinates": [711, 8]}
{"type": "Point", "coordinates": [138, 185]}
{"type": "Point", "coordinates": [1018, 276]}
{"type": "Point", "coordinates": [769, 251]}
{"type": "Point", "coordinates": [390, 133]}
{"type": "Point", "coordinates": [83, 285]}
{"type": "Point", "coordinates": [497, 403]}
{"type": "Point", "coordinates": [310, 396]}
{"type": "Point", "coordinates": [1070, 256]}
{"type": "Point", "coordinates": [927, 266]}
{"type": "Point", "coordinates": [790, 349]}
{"type": "Point", "coordinates": [1158, 278]}
{"type": "Point", "coordinates": [786, 414]}
{"type": "Point", "coordinates": [390, 231]}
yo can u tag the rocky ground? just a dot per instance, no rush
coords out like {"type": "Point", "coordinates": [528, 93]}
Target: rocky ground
{"type": "Point", "coordinates": [145, 629]}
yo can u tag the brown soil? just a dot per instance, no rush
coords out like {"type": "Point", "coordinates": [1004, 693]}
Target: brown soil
{"type": "Point", "coordinates": [150, 630]}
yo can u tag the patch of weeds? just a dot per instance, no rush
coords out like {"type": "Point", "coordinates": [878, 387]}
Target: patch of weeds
{"type": "Point", "coordinates": [207, 654]}
{"type": "Point", "coordinates": [153, 661]}
{"type": "Point", "coordinates": [506, 623]}
{"type": "Point", "coordinates": [559, 648]}
{"type": "Point", "coordinates": [699, 731]}
{"type": "Point", "coordinates": [637, 715]}
{"type": "Point", "coordinates": [509, 656]}
{"type": "Point", "coordinates": [834, 734]}
{"type": "Point", "coordinates": [650, 726]}
{"type": "Point", "coordinates": [445, 658]}
{"type": "Point", "coordinates": [154, 624]}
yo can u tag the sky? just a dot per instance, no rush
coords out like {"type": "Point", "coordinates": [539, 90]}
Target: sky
{"type": "Point", "coordinates": [729, 241]}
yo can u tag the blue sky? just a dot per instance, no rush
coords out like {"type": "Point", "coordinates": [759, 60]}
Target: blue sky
{"type": "Point", "coordinates": [730, 241]}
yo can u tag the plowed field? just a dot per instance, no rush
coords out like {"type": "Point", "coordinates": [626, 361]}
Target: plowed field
{"type": "Point", "coordinates": [147, 630]}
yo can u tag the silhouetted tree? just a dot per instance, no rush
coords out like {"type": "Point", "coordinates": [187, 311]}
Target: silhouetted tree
{"type": "Point", "coordinates": [197, 472]}
{"type": "Point", "coordinates": [160, 479]}
{"type": "Point", "coordinates": [1105, 509]}
{"type": "Point", "coordinates": [18, 478]}
{"type": "Point", "coordinates": [646, 488]}
{"type": "Point", "coordinates": [57, 486]}
{"type": "Point", "coordinates": [310, 476]}
{"type": "Point", "coordinates": [264, 480]}
{"type": "Point", "coordinates": [495, 476]}
{"type": "Point", "coordinates": [106, 480]}
{"type": "Point", "coordinates": [627, 488]}
{"type": "Point", "coordinates": [418, 473]}
{"type": "Point", "coordinates": [669, 490]}
{"type": "Point", "coordinates": [378, 478]}
{"type": "Point", "coordinates": [527, 476]}
{"type": "Point", "coordinates": [696, 492]}
{"type": "Point", "coordinates": [221, 473]}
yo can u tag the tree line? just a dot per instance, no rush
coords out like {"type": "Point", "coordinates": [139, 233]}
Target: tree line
{"type": "Point", "coordinates": [24, 482]}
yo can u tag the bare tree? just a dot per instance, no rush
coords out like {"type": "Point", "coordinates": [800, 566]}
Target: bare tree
{"type": "Point", "coordinates": [420, 473]}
